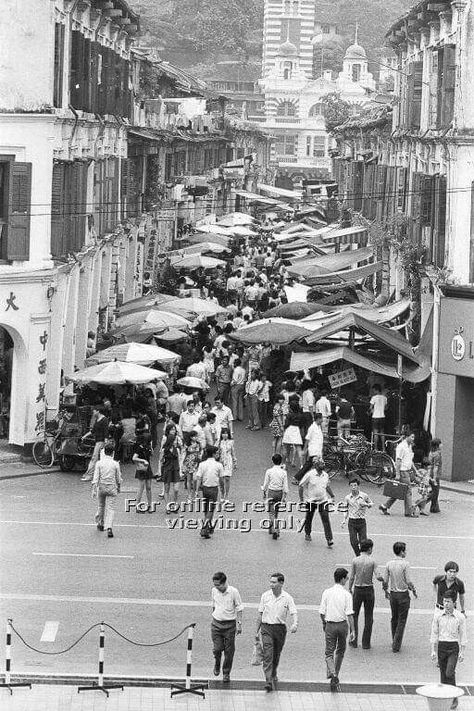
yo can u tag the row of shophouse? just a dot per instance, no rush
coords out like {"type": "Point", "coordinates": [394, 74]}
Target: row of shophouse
{"type": "Point", "coordinates": [408, 171]}
{"type": "Point", "coordinates": [105, 151]}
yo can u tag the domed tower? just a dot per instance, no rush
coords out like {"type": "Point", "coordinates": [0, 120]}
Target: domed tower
{"type": "Point", "coordinates": [287, 60]}
{"type": "Point", "coordinates": [355, 67]}
{"type": "Point", "coordinates": [288, 22]}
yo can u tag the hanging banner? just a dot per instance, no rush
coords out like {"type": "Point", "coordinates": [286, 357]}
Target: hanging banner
{"type": "Point", "coordinates": [343, 378]}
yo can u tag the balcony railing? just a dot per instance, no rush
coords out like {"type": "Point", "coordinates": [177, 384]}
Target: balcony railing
{"type": "Point", "coordinates": [287, 119]}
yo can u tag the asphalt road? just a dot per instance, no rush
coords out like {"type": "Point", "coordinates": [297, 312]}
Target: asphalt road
{"type": "Point", "coordinates": [154, 577]}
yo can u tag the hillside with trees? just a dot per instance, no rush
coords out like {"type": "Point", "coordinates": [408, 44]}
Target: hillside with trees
{"type": "Point", "coordinates": [205, 32]}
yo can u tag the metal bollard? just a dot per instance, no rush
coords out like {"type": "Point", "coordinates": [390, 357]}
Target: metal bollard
{"type": "Point", "coordinates": [7, 684]}
{"type": "Point", "coordinates": [188, 687]}
{"type": "Point", "coordinates": [100, 686]}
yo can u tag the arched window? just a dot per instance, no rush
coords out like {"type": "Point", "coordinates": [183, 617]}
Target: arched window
{"type": "Point", "coordinates": [287, 70]}
{"type": "Point", "coordinates": [356, 71]}
{"type": "Point", "coordinates": [286, 108]}
{"type": "Point", "coordinates": [318, 109]}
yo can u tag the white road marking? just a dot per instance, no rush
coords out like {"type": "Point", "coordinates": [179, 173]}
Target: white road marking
{"type": "Point", "coordinates": [50, 631]}
{"type": "Point", "coordinates": [145, 525]}
{"type": "Point", "coordinates": [168, 603]}
{"type": "Point", "coordinates": [85, 555]}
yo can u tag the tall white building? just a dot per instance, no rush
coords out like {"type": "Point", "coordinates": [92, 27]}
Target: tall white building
{"type": "Point", "coordinates": [294, 108]}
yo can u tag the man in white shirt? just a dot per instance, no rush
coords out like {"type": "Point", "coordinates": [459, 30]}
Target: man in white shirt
{"type": "Point", "coordinates": [224, 417]}
{"type": "Point", "coordinates": [275, 491]}
{"type": "Point", "coordinates": [404, 466]}
{"type": "Point", "coordinates": [337, 617]}
{"type": "Point", "coordinates": [226, 623]}
{"type": "Point", "coordinates": [208, 476]}
{"type": "Point", "coordinates": [378, 405]}
{"type": "Point", "coordinates": [314, 439]}
{"type": "Point", "coordinates": [448, 634]}
{"type": "Point", "coordinates": [323, 407]}
{"type": "Point", "coordinates": [252, 389]}
{"type": "Point", "coordinates": [197, 369]}
{"type": "Point", "coordinates": [315, 491]}
{"type": "Point", "coordinates": [237, 390]}
{"type": "Point", "coordinates": [188, 421]}
{"type": "Point", "coordinates": [273, 610]}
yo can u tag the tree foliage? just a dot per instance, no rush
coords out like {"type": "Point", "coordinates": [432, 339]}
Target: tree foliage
{"type": "Point", "coordinates": [336, 111]}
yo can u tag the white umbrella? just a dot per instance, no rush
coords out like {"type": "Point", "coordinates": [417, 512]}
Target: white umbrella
{"type": "Point", "coordinates": [141, 353]}
{"type": "Point", "coordinates": [117, 373]}
{"type": "Point", "coordinates": [208, 246]}
{"type": "Point", "coordinates": [194, 305]}
{"type": "Point", "coordinates": [214, 230]}
{"type": "Point", "coordinates": [236, 218]}
{"type": "Point", "coordinates": [190, 382]}
{"type": "Point", "coordinates": [194, 261]}
{"type": "Point", "coordinates": [243, 231]}
{"type": "Point", "coordinates": [159, 319]}
{"type": "Point", "coordinates": [145, 302]}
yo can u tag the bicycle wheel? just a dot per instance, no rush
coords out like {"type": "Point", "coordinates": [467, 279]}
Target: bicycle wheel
{"type": "Point", "coordinates": [333, 463]}
{"type": "Point", "coordinates": [43, 452]}
{"type": "Point", "coordinates": [378, 467]}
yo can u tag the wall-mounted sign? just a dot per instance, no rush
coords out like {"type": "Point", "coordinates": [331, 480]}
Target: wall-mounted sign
{"type": "Point", "coordinates": [343, 378]}
{"type": "Point", "coordinates": [458, 347]}
{"type": "Point", "coordinates": [456, 337]}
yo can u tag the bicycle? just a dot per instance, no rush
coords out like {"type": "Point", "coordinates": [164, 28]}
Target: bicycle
{"type": "Point", "coordinates": [46, 448]}
{"type": "Point", "coordinates": [357, 456]}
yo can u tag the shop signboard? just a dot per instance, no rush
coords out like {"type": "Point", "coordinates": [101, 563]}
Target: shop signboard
{"type": "Point", "coordinates": [338, 380]}
{"type": "Point", "coordinates": [456, 337]}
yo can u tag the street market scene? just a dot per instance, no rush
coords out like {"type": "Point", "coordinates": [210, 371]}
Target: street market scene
{"type": "Point", "coordinates": [236, 355]}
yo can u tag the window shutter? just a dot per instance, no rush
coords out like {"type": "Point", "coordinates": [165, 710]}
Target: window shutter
{"type": "Point", "coordinates": [77, 64]}
{"type": "Point", "coordinates": [19, 208]}
{"type": "Point", "coordinates": [414, 106]}
{"type": "Point", "coordinates": [87, 76]}
{"type": "Point", "coordinates": [380, 191]}
{"type": "Point", "coordinates": [427, 185]}
{"type": "Point", "coordinates": [358, 184]}
{"type": "Point", "coordinates": [471, 241]}
{"type": "Point", "coordinates": [449, 81]}
{"type": "Point", "coordinates": [57, 211]}
{"type": "Point", "coordinates": [440, 239]}
{"type": "Point", "coordinates": [433, 88]}
{"type": "Point", "coordinates": [402, 174]}
{"type": "Point", "coordinates": [58, 65]}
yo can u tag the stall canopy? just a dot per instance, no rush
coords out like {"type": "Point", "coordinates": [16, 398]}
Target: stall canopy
{"type": "Point", "coordinates": [348, 235]}
{"type": "Point", "coordinates": [391, 339]}
{"type": "Point", "coordinates": [313, 266]}
{"type": "Point", "coordinates": [347, 276]}
{"type": "Point", "coordinates": [410, 372]}
{"type": "Point", "coordinates": [280, 192]}
{"type": "Point", "coordinates": [255, 197]}
{"type": "Point", "coordinates": [277, 331]}
{"type": "Point", "coordinates": [382, 314]}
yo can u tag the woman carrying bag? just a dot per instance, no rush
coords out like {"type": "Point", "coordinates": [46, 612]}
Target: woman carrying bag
{"type": "Point", "coordinates": [144, 474]}
{"type": "Point", "coordinates": [105, 487]}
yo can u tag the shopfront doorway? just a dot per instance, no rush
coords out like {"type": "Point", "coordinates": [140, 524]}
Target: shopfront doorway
{"type": "Point", "coordinates": [6, 366]}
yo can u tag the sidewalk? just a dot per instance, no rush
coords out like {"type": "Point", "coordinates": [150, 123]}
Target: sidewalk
{"type": "Point", "coordinates": [62, 698]}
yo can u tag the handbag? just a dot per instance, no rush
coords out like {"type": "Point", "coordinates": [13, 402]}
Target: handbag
{"type": "Point", "coordinates": [257, 654]}
{"type": "Point", "coordinates": [395, 489]}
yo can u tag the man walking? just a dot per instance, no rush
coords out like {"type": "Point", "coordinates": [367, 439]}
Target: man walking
{"type": "Point", "coordinates": [357, 504]}
{"type": "Point", "coordinates": [378, 405]}
{"type": "Point", "coordinates": [449, 581]}
{"type": "Point", "coordinates": [275, 491]}
{"type": "Point", "coordinates": [208, 477]}
{"type": "Point", "coordinates": [337, 617]}
{"type": "Point", "coordinates": [226, 623]}
{"type": "Point", "coordinates": [362, 588]}
{"type": "Point", "coordinates": [323, 407]}
{"type": "Point", "coordinates": [273, 610]}
{"type": "Point", "coordinates": [404, 465]}
{"type": "Point", "coordinates": [99, 431]}
{"type": "Point", "coordinates": [315, 491]}
{"type": "Point", "coordinates": [237, 390]}
{"type": "Point", "coordinates": [448, 640]}
{"type": "Point", "coordinates": [396, 583]}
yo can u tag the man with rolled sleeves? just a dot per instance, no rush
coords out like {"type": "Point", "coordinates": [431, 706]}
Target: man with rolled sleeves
{"type": "Point", "coordinates": [273, 610]}
{"type": "Point", "coordinates": [226, 623]}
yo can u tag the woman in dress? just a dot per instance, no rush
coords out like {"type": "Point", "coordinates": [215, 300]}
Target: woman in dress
{"type": "Point", "coordinates": [292, 438]}
{"type": "Point", "coordinates": [169, 463]}
{"type": "Point", "coordinates": [277, 425]}
{"type": "Point", "coordinates": [192, 458]}
{"type": "Point", "coordinates": [208, 354]}
{"type": "Point", "coordinates": [143, 473]}
{"type": "Point", "coordinates": [228, 460]}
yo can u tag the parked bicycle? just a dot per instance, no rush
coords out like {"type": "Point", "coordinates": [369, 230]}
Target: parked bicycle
{"type": "Point", "coordinates": [357, 456]}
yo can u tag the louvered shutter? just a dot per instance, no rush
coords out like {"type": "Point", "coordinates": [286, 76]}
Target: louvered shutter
{"type": "Point", "coordinates": [77, 69]}
{"type": "Point", "coordinates": [416, 92]}
{"type": "Point", "coordinates": [449, 82]}
{"type": "Point", "coordinates": [380, 191]}
{"type": "Point", "coordinates": [57, 211]}
{"type": "Point", "coordinates": [471, 241]}
{"type": "Point", "coordinates": [358, 182]}
{"type": "Point", "coordinates": [19, 208]}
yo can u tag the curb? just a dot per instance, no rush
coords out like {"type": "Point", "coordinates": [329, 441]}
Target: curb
{"type": "Point", "coordinates": [237, 685]}
{"type": "Point", "coordinates": [469, 492]}
{"type": "Point", "coordinates": [22, 475]}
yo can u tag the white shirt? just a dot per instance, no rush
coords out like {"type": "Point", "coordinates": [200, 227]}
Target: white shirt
{"type": "Point", "coordinates": [307, 401]}
{"type": "Point", "coordinates": [404, 452]}
{"type": "Point", "coordinates": [314, 485]}
{"type": "Point", "coordinates": [226, 604]}
{"type": "Point", "coordinates": [315, 439]}
{"type": "Point", "coordinates": [239, 376]}
{"type": "Point", "coordinates": [274, 609]}
{"type": "Point", "coordinates": [276, 479]}
{"type": "Point", "coordinates": [210, 472]}
{"type": "Point", "coordinates": [323, 406]}
{"type": "Point", "coordinates": [264, 393]}
{"type": "Point", "coordinates": [188, 421]}
{"type": "Point", "coordinates": [379, 403]}
{"type": "Point", "coordinates": [197, 370]}
{"type": "Point", "coordinates": [224, 417]}
{"type": "Point", "coordinates": [336, 604]}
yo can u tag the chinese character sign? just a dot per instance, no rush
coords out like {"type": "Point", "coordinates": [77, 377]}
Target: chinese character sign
{"type": "Point", "coordinates": [338, 380]}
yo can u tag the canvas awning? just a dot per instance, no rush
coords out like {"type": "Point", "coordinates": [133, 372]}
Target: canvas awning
{"type": "Point", "coordinates": [348, 235]}
{"type": "Point", "coordinates": [330, 262]}
{"type": "Point", "coordinates": [348, 275]}
{"type": "Point", "coordinates": [280, 192]}
{"type": "Point", "coordinates": [255, 197]}
{"type": "Point", "coordinates": [411, 373]}
{"type": "Point", "coordinates": [390, 338]}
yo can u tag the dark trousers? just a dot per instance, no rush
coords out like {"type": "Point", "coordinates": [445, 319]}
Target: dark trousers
{"type": "Point", "coordinates": [323, 513]}
{"type": "Point", "coordinates": [364, 596]}
{"type": "Point", "coordinates": [304, 469]}
{"type": "Point", "coordinates": [336, 636]}
{"type": "Point", "coordinates": [448, 653]}
{"type": "Point", "coordinates": [357, 533]}
{"type": "Point", "coordinates": [399, 605]}
{"type": "Point", "coordinates": [209, 499]}
{"type": "Point", "coordinates": [273, 641]}
{"type": "Point", "coordinates": [274, 498]}
{"type": "Point", "coordinates": [223, 640]}
{"type": "Point", "coordinates": [223, 390]}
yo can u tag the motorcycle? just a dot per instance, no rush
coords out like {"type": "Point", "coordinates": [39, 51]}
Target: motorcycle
{"type": "Point", "coordinates": [75, 451]}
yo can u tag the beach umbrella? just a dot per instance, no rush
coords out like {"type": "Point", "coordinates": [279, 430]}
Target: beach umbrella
{"type": "Point", "coordinates": [192, 383]}
{"type": "Point", "coordinates": [194, 261]}
{"type": "Point", "coordinates": [195, 306]}
{"type": "Point", "coordinates": [141, 353]}
{"type": "Point", "coordinates": [236, 218]}
{"type": "Point", "coordinates": [157, 318]}
{"type": "Point", "coordinates": [277, 331]}
{"type": "Point", "coordinates": [145, 302]}
{"type": "Point", "coordinates": [171, 335]}
{"type": "Point", "coordinates": [117, 373]}
{"type": "Point", "coordinates": [295, 310]}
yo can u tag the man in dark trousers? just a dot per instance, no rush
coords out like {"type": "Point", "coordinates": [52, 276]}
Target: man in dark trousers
{"type": "Point", "coordinates": [448, 640]}
{"type": "Point", "coordinates": [357, 504]}
{"type": "Point", "coordinates": [396, 583]}
{"type": "Point", "coordinates": [273, 611]}
{"type": "Point", "coordinates": [337, 616]}
{"type": "Point", "coordinates": [361, 585]}
{"type": "Point", "coordinates": [226, 623]}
